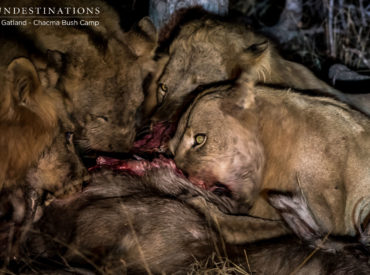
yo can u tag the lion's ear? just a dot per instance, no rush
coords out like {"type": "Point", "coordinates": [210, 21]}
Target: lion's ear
{"type": "Point", "coordinates": [243, 96]}
{"type": "Point", "coordinates": [143, 37]}
{"type": "Point", "coordinates": [23, 78]}
{"type": "Point", "coordinates": [146, 25]}
{"type": "Point", "coordinates": [56, 59]}
{"type": "Point", "coordinates": [251, 60]}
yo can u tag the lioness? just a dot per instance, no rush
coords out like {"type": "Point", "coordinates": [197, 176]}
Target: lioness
{"type": "Point", "coordinates": [99, 70]}
{"type": "Point", "coordinates": [206, 50]}
{"type": "Point", "coordinates": [253, 139]}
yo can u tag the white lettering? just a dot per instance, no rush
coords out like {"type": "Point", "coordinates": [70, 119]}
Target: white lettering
{"type": "Point", "coordinates": [89, 23]}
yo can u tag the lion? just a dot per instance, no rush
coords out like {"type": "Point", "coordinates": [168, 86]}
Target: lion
{"type": "Point", "coordinates": [99, 70]}
{"type": "Point", "coordinates": [204, 49]}
{"type": "Point", "coordinates": [251, 139]}
{"type": "Point", "coordinates": [38, 154]}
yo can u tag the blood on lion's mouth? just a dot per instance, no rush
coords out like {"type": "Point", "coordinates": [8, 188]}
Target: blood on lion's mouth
{"type": "Point", "coordinates": [156, 140]}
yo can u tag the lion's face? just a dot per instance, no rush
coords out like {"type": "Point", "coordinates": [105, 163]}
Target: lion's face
{"type": "Point", "coordinates": [204, 52]}
{"type": "Point", "coordinates": [216, 148]}
{"type": "Point", "coordinates": [105, 88]}
{"type": "Point", "coordinates": [105, 104]}
{"type": "Point", "coordinates": [188, 67]}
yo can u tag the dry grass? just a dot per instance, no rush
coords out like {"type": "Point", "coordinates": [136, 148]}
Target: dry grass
{"type": "Point", "coordinates": [346, 29]}
{"type": "Point", "coordinates": [350, 34]}
{"type": "Point", "coordinates": [217, 265]}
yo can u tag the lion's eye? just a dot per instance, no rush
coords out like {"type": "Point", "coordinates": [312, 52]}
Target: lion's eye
{"type": "Point", "coordinates": [103, 118]}
{"type": "Point", "coordinates": [161, 92]}
{"type": "Point", "coordinates": [199, 139]}
{"type": "Point", "coordinates": [163, 87]}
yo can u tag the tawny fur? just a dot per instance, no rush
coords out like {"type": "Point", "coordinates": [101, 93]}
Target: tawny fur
{"type": "Point", "coordinates": [205, 49]}
{"type": "Point", "coordinates": [27, 124]}
{"type": "Point", "coordinates": [36, 143]}
{"type": "Point", "coordinates": [100, 72]}
{"type": "Point", "coordinates": [258, 139]}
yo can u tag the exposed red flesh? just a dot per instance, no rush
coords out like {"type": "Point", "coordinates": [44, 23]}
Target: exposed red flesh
{"type": "Point", "coordinates": [157, 140]}
{"type": "Point", "coordinates": [198, 182]}
{"type": "Point", "coordinates": [140, 166]}
{"type": "Point", "coordinates": [136, 166]}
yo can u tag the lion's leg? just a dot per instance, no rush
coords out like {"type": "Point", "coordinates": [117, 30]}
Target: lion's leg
{"type": "Point", "coordinates": [297, 214]}
{"type": "Point", "coordinates": [32, 201]}
{"type": "Point", "coordinates": [365, 233]}
{"type": "Point", "coordinates": [239, 229]}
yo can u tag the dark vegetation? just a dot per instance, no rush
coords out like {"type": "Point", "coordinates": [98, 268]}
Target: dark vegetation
{"type": "Point", "coordinates": [318, 34]}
